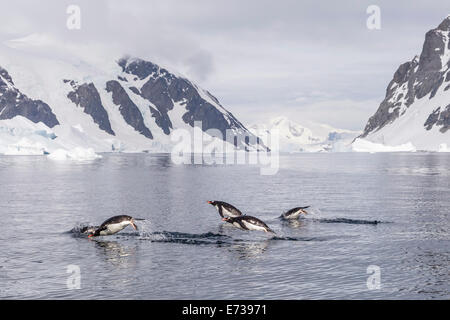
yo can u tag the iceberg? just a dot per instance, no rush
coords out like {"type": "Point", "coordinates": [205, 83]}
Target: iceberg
{"type": "Point", "coordinates": [25, 147]}
{"type": "Point", "coordinates": [77, 154]}
{"type": "Point", "coordinates": [362, 145]}
{"type": "Point", "coordinates": [443, 148]}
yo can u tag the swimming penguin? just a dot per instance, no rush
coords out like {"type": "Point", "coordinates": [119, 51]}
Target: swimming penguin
{"type": "Point", "coordinates": [226, 209]}
{"type": "Point", "coordinates": [114, 225]}
{"type": "Point", "coordinates": [294, 213]}
{"type": "Point", "coordinates": [248, 223]}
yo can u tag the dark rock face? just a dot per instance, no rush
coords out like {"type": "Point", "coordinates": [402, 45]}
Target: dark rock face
{"type": "Point", "coordinates": [135, 90]}
{"type": "Point", "coordinates": [432, 119]}
{"type": "Point", "coordinates": [444, 120]}
{"type": "Point", "coordinates": [87, 97]}
{"type": "Point", "coordinates": [14, 103]}
{"type": "Point", "coordinates": [159, 89]}
{"type": "Point", "coordinates": [162, 120]}
{"type": "Point", "coordinates": [163, 89]}
{"type": "Point", "coordinates": [6, 77]}
{"type": "Point", "coordinates": [155, 90]}
{"type": "Point", "coordinates": [415, 79]}
{"type": "Point", "coordinates": [127, 108]}
{"type": "Point", "coordinates": [440, 119]}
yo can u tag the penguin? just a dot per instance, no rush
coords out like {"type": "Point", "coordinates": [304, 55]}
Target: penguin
{"type": "Point", "coordinates": [248, 223]}
{"type": "Point", "coordinates": [114, 225]}
{"type": "Point", "coordinates": [226, 209]}
{"type": "Point", "coordinates": [294, 213]}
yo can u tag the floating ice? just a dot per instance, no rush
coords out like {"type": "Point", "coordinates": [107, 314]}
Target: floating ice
{"type": "Point", "coordinates": [78, 154]}
{"type": "Point", "coordinates": [443, 148]}
{"type": "Point", "coordinates": [362, 145]}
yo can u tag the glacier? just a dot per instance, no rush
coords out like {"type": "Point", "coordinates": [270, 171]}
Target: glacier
{"type": "Point", "coordinates": [310, 137]}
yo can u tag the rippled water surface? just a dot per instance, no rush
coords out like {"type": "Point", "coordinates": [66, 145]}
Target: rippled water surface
{"type": "Point", "coordinates": [386, 210]}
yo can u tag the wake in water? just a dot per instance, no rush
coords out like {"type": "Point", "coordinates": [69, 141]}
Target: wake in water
{"type": "Point", "coordinates": [349, 221]}
{"type": "Point", "coordinates": [82, 229]}
{"type": "Point", "coordinates": [148, 232]}
{"type": "Point", "coordinates": [217, 238]}
{"type": "Point", "coordinates": [187, 238]}
{"type": "Point", "coordinates": [314, 214]}
{"type": "Point", "coordinates": [208, 238]}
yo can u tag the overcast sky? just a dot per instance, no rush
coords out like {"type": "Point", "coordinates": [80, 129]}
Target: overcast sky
{"type": "Point", "coordinates": [308, 60]}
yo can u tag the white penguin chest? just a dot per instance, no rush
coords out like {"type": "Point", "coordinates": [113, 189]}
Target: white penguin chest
{"type": "Point", "coordinates": [251, 226]}
{"type": "Point", "coordinates": [238, 225]}
{"type": "Point", "coordinates": [294, 215]}
{"type": "Point", "coordinates": [115, 227]}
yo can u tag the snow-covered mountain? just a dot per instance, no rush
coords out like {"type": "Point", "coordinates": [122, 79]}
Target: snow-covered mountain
{"type": "Point", "coordinates": [415, 114]}
{"type": "Point", "coordinates": [52, 97]}
{"type": "Point", "coordinates": [313, 137]}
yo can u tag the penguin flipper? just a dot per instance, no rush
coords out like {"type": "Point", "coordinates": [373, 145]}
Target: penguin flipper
{"type": "Point", "coordinates": [235, 211]}
{"type": "Point", "coordinates": [230, 208]}
{"type": "Point", "coordinates": [97, 231]}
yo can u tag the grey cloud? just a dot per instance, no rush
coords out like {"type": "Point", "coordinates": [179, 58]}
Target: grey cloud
{"type": "Point", "coordinates": [200, 65]}
{"type": "Point", "coordinates": [253, 55]}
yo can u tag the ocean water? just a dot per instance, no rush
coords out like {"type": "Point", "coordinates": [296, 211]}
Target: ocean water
{"type": "Point", "coordinates": [378, 228]}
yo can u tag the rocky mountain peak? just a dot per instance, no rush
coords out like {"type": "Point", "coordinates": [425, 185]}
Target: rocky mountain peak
{"type": "Point", "coordinates": [445, 24]}
{"type": "Point", "coordinates": [421, 77]}
{"type": "Point", "coordinates": [14, 103]}
{"type": "Point", "coordinates": [164, 90]}
{"type": "Point", "coordinates": [435, 46]}
{"type": "Point", "coordinates": [134, 107]}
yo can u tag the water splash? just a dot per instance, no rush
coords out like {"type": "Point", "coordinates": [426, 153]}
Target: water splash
{"type": "Point", "coordinates": [82, 229]}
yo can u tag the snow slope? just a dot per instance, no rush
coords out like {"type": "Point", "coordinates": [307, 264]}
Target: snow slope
{"type": "Point", "coordinates": [416, 109]}
{"type": "Point", "coordinates": [409, 128]}
{"type": "Point", "coordinates": [73, 81]}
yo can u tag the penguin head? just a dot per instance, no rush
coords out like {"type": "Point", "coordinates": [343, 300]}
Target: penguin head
{"type": "Point", "coordinates": [295, 212]}
{"type": "Point", "coordinates": [303, 211]}
{"type": "Point", "coordinates": [213, 203]}
{"type": "Point", "coordinates": [133, 224]}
